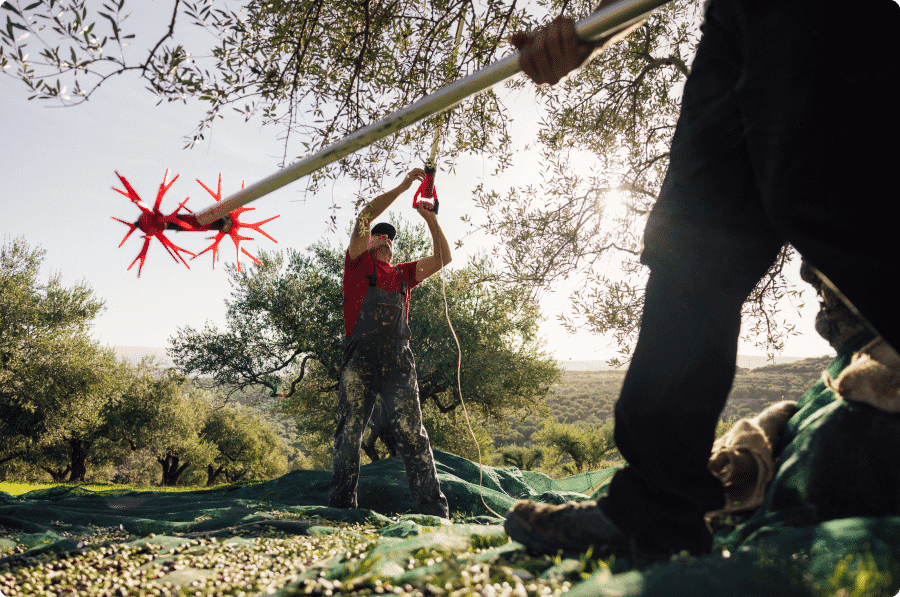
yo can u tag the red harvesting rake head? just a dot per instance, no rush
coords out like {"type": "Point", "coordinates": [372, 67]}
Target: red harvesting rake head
{"type": "Point", "coordinates": [153, 224]}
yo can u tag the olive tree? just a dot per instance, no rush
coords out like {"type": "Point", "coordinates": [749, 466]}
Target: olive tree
{"type": "Point", "coordinates": [161, 416]}
{"type": "Point", "coordinates": [56, 383]}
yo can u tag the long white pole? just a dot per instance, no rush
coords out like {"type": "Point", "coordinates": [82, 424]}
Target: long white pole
{"type": "Point", "coordinates": [608, 19]}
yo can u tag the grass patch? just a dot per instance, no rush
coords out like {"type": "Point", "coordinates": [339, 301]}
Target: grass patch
{"type": "Point", "coordinates": [19, 488]}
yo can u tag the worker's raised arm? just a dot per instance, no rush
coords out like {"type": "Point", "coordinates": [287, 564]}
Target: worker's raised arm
{"type": "Point", "coordinates": [441, 248]}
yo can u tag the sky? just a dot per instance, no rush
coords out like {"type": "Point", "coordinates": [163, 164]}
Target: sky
{"type": "Point", "coordinates": [59, 165]}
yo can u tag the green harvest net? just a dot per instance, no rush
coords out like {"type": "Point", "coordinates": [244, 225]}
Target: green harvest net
{"type": "Point", "coordinates": [819, 526]}
{"type": "Point", "coordinates": [817, 522]}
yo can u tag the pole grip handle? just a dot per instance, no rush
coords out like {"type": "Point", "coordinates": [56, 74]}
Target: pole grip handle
{"type": "Point", "coordinates": [419, 193]}
{"type": "Point", "coordinates": [427, 190]}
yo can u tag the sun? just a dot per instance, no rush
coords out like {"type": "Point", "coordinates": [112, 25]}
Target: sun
{"type": "Point", "coordinates": [613, 205]}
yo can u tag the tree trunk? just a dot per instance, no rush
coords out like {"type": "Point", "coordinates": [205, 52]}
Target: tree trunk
{"type": "Point", "coordinates": [534, 459]}
{"type": "Point", "coordinates": [368, 446]}
{"type": "Point", "coordinates": [379, 428]}
{"type": "Point", "coordinates": [171, 471]}
{"type": "Point", "coordinates": [59, 476]}
{"type": "Point", "coordinates": [79, 459]}
{"type": "Point", "coordinates": [513, 460]}
{"type": "Point", "coordinates": [235, 477]}
{"type": "Point", "coordinates": [212, 474]}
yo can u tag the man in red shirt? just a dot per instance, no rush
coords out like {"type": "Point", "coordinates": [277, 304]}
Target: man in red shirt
{"type": "Point", "coordinates": [377, 358]}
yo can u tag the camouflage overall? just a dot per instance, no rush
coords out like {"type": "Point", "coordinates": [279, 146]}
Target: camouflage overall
{"type": "Point", "coordinates": [378, 360]}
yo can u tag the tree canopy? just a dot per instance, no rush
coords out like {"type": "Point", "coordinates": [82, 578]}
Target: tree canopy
{"type": "Point", "coordinates": [317, 70]}
{"type": "Point", "coordinates": [163, 416]}
{"type": "Point", "coordinates": [54, 380]}
{"type": "Point", "coordinates": [247, 447]}
{"type": "Point", "coordinates": [68, 405]}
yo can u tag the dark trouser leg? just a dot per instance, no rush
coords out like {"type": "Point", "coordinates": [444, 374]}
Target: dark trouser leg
{"type": "Point", "coordinates": [707, 243]}
{"type": "Point", "coordinates": [400, 396]}
{"type": "Point", "coordinates": [356, 399]}
{"type": "Point", "coordinates": [666, 415]}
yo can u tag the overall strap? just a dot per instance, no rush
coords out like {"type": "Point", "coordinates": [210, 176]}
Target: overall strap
{"type": "Point", "coordinates": [373, 277]}
{"type": "Point", "coordinates": [402, 282]}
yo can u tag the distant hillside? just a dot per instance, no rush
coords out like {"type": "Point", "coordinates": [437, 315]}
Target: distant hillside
{"type": "Point", "coordinates": [754, 362]}
{"type": "Point", "coordinates": [589, 396]}
{"type": "Point", "coordinates": [744, 362]}
{"type": "Point", "coordinates": [755, 389]}
{"type": "Point", "coordinates": [588, 389]}
{"type": "Point", "coordinates": [134, 354]}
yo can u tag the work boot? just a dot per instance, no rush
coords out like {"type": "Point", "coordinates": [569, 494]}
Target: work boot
{"type": "Point", "coordinates": [572, 528]}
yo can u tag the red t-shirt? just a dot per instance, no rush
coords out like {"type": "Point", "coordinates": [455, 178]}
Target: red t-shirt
{"type": "Point", "coordinates": [356, 283]}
